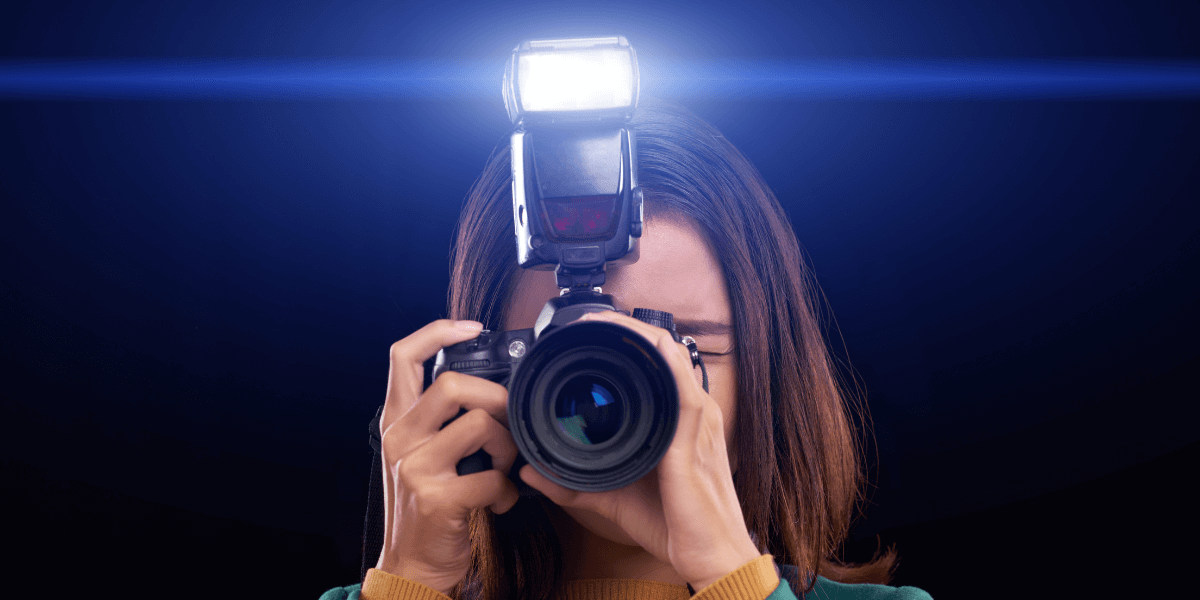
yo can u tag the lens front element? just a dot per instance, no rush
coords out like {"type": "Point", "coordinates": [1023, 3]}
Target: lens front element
{"type": "Point", "coordinates": [589, 410]}
{"type": "Point", "coordinates": [593, 406]}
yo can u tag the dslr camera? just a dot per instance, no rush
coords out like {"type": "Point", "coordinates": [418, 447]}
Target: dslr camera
{"type": "Point", "coordinates": [592, 405]}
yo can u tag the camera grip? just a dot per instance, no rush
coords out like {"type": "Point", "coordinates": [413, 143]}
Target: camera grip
{"type": "Point", "coordinates": [476, 463]}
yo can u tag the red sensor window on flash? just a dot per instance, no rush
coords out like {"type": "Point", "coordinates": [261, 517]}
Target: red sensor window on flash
{"type": "Point", "coordinates": [580, 219]}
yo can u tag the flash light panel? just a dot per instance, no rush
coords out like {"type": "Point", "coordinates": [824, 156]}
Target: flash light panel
{"type": "Point", "coordinates": [575, 80]}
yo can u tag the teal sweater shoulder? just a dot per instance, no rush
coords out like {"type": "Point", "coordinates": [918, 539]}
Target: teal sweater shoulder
{"type": "Point", "coordinates": [349, 592]}
{"type": "Point", "coordinates": [824, 589]}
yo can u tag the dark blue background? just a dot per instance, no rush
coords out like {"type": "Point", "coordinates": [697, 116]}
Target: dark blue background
{"type": "Point", "coordinates": [199, 294]}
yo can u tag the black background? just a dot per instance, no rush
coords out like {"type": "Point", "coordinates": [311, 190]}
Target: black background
{"type": "Point", "coordinates": [199, 293]}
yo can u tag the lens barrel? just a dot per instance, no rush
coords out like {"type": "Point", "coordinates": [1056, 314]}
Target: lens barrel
{"type": "Point", "coordinates": [593, 406]}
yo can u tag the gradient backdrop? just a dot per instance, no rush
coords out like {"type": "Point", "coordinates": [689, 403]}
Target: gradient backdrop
{"type": "Point", "coordinates": [202, 276]}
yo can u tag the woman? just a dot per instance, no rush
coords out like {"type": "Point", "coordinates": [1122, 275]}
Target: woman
{"type": "Point", "coordinates": [763, 471]}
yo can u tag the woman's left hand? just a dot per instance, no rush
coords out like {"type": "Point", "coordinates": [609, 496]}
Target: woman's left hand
{"type": "Point", "coordinates": [686, 512]}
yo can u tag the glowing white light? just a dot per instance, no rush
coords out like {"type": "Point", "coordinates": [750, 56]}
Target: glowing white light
{"type": "Point", "coordinates": [591, 79]}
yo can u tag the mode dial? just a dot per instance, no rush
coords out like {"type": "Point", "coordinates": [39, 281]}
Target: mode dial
{"type": "Point", "coordinates": [657, 318]}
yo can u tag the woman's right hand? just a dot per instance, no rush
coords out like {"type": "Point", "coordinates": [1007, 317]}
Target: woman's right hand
{"type": "Point", "coordinates": [426, 503]}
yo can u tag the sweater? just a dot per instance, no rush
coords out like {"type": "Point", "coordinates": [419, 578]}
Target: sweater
{"type": "Point", "coordinates": [751, 581]}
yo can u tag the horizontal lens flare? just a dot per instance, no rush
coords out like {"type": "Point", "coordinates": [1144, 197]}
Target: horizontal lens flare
{"type": "Point", "coordinates": [922, 79]}
{"type": "Point", "coordinates": [788, 79]}
{"type": "Point", "coordinates": [594, 79]}
{"type": "Point", "coordinates": [248, 79]}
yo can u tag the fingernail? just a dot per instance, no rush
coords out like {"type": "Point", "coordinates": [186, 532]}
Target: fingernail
{"type": "Point", "coordinates": [469, 325]}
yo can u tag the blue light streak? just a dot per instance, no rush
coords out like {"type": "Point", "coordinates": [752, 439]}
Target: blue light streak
{"type": "Point", "coordinates": [794, 79]}
{"type": "Point", "coordinates": [931, 79]}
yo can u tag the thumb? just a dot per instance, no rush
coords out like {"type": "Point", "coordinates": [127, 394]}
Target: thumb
{"type": "Point", "coordinates": [558, 494]}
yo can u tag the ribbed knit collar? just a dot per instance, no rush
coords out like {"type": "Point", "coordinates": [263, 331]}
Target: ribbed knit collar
{"type": "Point", "coordinates": [622, 589]}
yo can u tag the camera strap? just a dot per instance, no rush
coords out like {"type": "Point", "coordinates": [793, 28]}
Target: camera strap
{"type": "Point", "coordinates": [697, 361]}
{"type": "Point", "coordinates": [373, 521]}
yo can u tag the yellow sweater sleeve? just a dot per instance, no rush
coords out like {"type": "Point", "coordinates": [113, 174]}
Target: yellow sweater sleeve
{"type": "Point", "coordinates": [381, 585]}
{"type": "Point", "coordinates": [754, 580]}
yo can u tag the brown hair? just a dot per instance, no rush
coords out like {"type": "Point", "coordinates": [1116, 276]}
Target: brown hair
{"type": "Point", "coordinates": [800, 475]}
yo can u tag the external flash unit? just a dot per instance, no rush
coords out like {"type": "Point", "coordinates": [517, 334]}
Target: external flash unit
{"type": "Point", "coordinates": [576, 203]}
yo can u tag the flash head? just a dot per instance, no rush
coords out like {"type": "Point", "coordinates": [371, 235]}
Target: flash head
{"type": "Point", "coordinates": [571, 80]}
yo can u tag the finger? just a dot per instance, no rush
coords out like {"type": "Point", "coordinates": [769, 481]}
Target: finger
{"type": "Point", "coordinates": [487, 488]}
{"type": "Point", "coordinates": [405, 376]}
{"type": "Point", "coordinates": [659, 337]}
{"type": "Point", "coordinates": [636, 503]}
{"type": "Point", "coordinates": [441, 403]}
{"type": "Point", "coordinates": [678, 357]}
{"type": "Point", "coordinates": [453, 391]}
{"type": "Point", "coordinates": [473, 431]}
{"type": "Point", "coordinates": [554, 492]}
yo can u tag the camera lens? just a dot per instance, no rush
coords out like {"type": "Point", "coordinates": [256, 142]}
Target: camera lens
{"type": "Point", "coordinates": [589, 410]}
{"type": "Point", "coordinates": [593, 406]}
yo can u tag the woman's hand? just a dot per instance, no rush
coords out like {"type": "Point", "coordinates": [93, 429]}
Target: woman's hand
{"type": "Point", "coordinates": [686, 512]}
{"type": "Point", "coordinates": [426, 503]}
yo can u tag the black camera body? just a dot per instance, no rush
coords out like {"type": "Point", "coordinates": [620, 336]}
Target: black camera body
{"type": "Point", "coordinates": [592, 405]}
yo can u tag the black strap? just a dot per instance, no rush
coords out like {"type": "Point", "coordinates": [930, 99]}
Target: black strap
{"type": "Point", "coordinates": [697, 361]}
{"type": "Point", "coordinates": [373, 521]}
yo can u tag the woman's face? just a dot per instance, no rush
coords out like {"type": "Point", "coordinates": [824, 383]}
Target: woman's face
{"type": "Point", "coordinates": [678, 273]}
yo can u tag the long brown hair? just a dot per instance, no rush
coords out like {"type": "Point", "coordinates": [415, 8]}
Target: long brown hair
{"type": "Point", "coordinates": [800, 475]}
